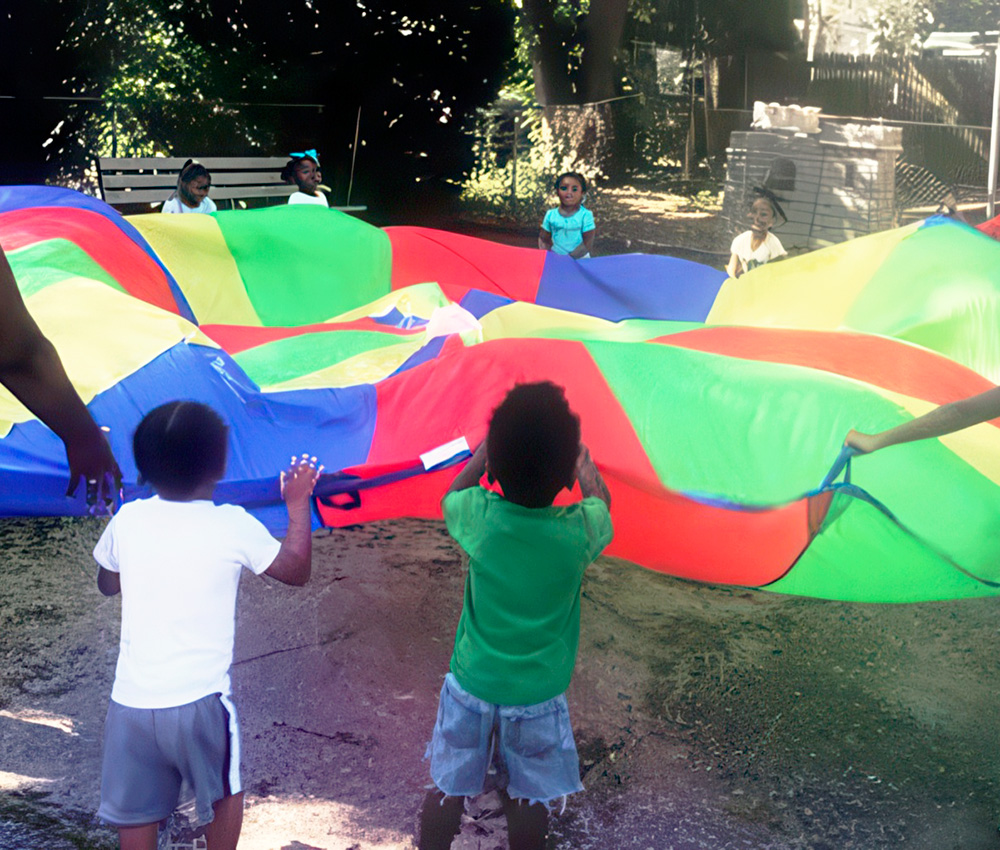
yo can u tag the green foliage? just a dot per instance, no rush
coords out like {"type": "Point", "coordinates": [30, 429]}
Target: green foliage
{"type": "Point", "coordinates": [901, 26]}
{"type": "Point", "coordinates": [231, 77]}
{"type": "Point", "coordinates": [508, 182]}
{"type": "Point", "coordinates": [150, 80]}
{"type": "Point", "coordinates": [722, 27]}
{"type": "Point", "coordinates": [967, 15]}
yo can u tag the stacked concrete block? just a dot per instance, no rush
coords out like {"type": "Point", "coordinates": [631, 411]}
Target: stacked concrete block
{"type": "Point", "coordinates": [834, 181]}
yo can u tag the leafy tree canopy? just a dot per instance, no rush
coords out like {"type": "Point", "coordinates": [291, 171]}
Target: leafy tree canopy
{"type": "Point", "coordinates": [573, 43]}
{"type": "Point", "coordinates": [966, 16]}
{"type": "Point", "coordinates": [177, 75]}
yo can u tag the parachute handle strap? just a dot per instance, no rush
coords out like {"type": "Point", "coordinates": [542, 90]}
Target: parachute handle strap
{"type": "Point", "coordinates": [340, 491]}
{"type": "Point", "coordinates": [841, 464]}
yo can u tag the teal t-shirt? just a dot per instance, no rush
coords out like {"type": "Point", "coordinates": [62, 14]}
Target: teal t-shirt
{"type": "Point", "coordinates": [520, 625]}
{"type": "Point", "coordinates": [567, 230]}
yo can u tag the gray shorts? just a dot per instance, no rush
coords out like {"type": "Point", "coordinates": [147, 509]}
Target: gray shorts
{"type": "Point", "coordinates": [529, 748]}
{"type": "Point", "coordinates": [150, 753]}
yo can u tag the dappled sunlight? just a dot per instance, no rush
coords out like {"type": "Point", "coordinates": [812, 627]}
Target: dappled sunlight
{"type": "Point", "coordinates": [296, 821]}
{"type": "Point", "coordinates": [42, 718]}
{"type": "Point", "coordinates": [17, 782]}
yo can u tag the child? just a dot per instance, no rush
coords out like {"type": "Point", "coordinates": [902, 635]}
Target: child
{"type": "Point", "coordinates": [569, 229]}
{"type": "Point", "coordinates": [303, 171]}
{"type": "Point", "coordinates": [177, 558]}
{"type": "Point", "coordinates": [515, 649]}
{"type": "Point", "coordinates": [191, 195]}
{"type": "Point", "coordinates": [757, 245]}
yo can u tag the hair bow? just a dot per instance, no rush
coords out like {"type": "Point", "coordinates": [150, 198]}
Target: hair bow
{"type": "Point", "coordinates": [310, 153]}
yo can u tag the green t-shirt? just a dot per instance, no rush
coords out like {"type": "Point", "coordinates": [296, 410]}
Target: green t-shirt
{"type": "Point", "coordinates": [520, 625]}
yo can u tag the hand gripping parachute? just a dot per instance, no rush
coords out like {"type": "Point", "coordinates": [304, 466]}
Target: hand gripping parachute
{"type": "Point", "coordinates": [715, 408]}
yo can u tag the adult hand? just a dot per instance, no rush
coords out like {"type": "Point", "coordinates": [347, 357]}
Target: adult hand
{"type": "Point", "coordinates": [91, 460]}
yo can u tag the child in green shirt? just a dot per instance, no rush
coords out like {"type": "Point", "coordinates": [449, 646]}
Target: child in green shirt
{"type": "Point", "coordinates": [504, 702]}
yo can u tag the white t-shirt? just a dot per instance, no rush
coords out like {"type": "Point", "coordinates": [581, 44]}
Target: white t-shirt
{"type": "Point", "coordinates": [302, 198]}
{"type": "Point", "coordinates": [769, 249]}
{"type": "Point", "coordinates": [180, 566]}
{"type": "Point", "coordinates": [175, 205]}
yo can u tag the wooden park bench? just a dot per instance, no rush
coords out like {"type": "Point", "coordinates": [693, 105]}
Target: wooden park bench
{"type": "Point", "coordinates": [125, 181]}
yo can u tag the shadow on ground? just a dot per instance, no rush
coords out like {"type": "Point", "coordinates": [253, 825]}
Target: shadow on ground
{"type": "Point", "coordinates": [707, 717]}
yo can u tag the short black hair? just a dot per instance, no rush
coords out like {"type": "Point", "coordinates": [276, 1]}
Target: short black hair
{"type": "Point", "coordinates": [762, 193]}
{"type": "Point", "coordinates": [180, 445]}
{"type": "Point", "coordinates": [576, 175]}
{"type": "Point", "coordinates": [533, 443]}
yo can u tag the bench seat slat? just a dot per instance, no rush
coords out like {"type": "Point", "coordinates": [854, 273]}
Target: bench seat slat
{"type": "Point", "coordinates": [150, 180]}
{"type": "Point", "coordinates": [175, 163]}
{"type": "Point", "coordinates": [169, 180]}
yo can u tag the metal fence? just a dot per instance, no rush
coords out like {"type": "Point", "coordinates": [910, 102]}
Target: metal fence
{"type": "Point", "coordinates": [663, 138]}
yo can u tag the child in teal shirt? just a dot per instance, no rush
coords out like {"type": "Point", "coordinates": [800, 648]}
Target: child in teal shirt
{"type": "Point", "coordinates": [504, 700]}
{"type": "Point", "coordinates": [569, 228]}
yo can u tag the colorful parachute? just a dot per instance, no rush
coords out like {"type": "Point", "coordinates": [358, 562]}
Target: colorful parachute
{"type": "Point", "coordinates": [715, 408]}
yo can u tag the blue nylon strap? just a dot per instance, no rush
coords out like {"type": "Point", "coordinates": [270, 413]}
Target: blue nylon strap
{"type": "Point", "coordinates": [253, 494]}
{"type": "Point", "coordinates": [845, 487]}
{"type": "Point", "coordinates": [842, 463]}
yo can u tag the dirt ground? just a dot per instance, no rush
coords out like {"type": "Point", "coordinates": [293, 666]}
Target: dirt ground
{"type": "Point", "coordinates": [645, 218]}
{"type": "Point", "coordinates": [707, 717]}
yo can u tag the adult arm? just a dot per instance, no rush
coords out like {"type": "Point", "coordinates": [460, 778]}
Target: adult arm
{"type": "Point", "coordinates": [293, 563]}
{"type": "Point", "coordinates": [30, 368]}
{"type": "Point", "coordinates": [471, 472]}
{"type": "Point", "coordinates": [942, 420]}
{"type": "Point", "coordinates": [591, 482]}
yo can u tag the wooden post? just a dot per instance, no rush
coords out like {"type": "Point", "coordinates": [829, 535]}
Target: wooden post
{"type": "Point", "coordinates": [354, 156]}
{"type": "Point", "coordinates": [513, 168]}
{"type": "Point", "coordinates": [991, 186]}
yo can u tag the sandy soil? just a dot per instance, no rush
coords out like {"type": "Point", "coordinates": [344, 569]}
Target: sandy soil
{"type": "Point", "coordinates": [707, 717]}
{"type": "Point", "coordinates": [648, 219]}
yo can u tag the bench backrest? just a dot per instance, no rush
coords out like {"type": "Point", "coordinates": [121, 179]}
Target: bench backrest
{"type": "Point", "coordinates": [148, 180]}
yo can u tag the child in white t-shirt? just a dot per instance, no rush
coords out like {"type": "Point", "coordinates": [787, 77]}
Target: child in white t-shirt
{"type": "Point", "coordinates": [303, 170]}
{"type": "Point", "coordinates": [177, 558]}
{"type": "Point", "coordinates": [191, 196]}
{"type": "Point", "coordinates": [757, 245]}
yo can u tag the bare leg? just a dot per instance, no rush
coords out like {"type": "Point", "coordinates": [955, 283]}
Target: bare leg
{"type": "Point", "coordinates": [138, 837]}
{"type": "Point", "coordinates": [223, 832]}
{"type": "Point", "coordinates": [527, 824]}
{"type": "Point", "coordinates": [440, 820]}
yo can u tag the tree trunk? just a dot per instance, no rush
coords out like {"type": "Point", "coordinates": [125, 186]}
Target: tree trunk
{"type": "Point", "coordinates": [549, 63]}
{"type": "Point", "coordinates": [603, 35]}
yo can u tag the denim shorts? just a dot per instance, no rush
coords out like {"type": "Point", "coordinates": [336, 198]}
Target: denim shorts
{"type": "Point", "coordinates": [150, 754]}
{"type": "Point", "coordinates": [530, 746]}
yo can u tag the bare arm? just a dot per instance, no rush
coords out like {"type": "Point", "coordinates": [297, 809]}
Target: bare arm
{"type": "Point", "coordinates": [591, 482]}
{"type": "Point", "coordinates": [733, 267]}
{"type": "Point", "coordinates": [30, 368]}
{"type": "Point", "coordinates": [585, 246]}
{"type": "Point", "coordinates": [942, 420]}
{"type": "Point", "coordinates": [108, 582]}
{"type": "Point", "coordinates": [293, 563]}
{"type": "Point", "coordinates": [544, 239]}
{"type": "Point", "coordinates": [472, 472]}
